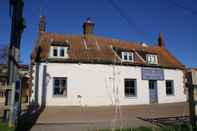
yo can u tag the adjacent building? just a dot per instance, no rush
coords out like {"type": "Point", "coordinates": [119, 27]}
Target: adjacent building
{"type": "Point", "coordinates": [24, 80]}
{"type": "Point", "coordinates": [74, 70]}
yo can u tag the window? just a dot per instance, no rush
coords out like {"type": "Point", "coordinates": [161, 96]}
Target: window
{"type": "Point", "coordinates": [151, 59]}
{"type": "Point", "coordinates": [127, 56]}
{"type": "Point", "coordinates": [60, 86]}
{"type": "Point", "coordinates": [130, 87]}
{"type": "Point", "coordinates": [169, 87]}
{"type": "Point", "coordinates": [59, 51]}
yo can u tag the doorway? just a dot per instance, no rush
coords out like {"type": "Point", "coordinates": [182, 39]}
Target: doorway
{"type": "Point", "coordinates": [153, 91]}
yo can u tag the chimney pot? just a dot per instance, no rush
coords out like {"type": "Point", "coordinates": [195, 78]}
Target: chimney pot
{"type": "Point", "coordinates": [42, 24]}
{"type": "Point", "coordinates": [88, 27]}
{"type": "Point", "coordinates": [161, 42]}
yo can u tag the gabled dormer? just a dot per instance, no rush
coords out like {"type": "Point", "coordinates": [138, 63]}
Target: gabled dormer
{"type": "Point", "coordinates": [59, 50]}
{"type": "Point", "coordinates": [124, 55]}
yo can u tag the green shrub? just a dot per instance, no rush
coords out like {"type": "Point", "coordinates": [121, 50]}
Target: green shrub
{"type": "Point", "coordinates": [4, 127]}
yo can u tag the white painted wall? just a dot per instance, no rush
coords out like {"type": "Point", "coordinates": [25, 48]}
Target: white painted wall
{"type": "Point", "coordinates": [95, 84]}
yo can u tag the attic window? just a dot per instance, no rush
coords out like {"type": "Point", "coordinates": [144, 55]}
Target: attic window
{"type": "Point", "coordinates": [59, 52]}
{"type": "Point", "coordinates": [151, 59]}
{"type": "Point", "coordinates": [127, 56]}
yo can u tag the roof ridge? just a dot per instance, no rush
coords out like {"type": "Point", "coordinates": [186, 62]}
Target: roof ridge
{"type": "Point", "coordinates": [103, 38]}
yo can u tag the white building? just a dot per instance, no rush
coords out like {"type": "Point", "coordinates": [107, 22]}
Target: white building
{"type": "Point", "coordinates": [73, 70]}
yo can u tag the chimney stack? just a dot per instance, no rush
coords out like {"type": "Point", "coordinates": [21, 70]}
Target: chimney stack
{"type": "Point", "coordinates": [161, 42]}
{"type": "Point", "coordinates": [88, 27]}
{"type": "Point", "coordinates": [42, 24]}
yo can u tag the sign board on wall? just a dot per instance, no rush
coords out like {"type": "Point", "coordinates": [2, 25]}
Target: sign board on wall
{"type": "Point", "coordinates": [152, 73]}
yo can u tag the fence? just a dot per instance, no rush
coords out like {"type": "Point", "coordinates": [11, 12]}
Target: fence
{"type": "Point", "coordinates": [2, 93]}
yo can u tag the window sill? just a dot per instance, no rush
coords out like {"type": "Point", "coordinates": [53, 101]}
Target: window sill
{"type": "Point", "coordinates": [59, 57]}
{"type": "Point", "coordinates": [152, 63]}
{"type": "Point", "coordinates": [170, 95]}
{"type": "Point", "coordinates": [59, 96]}
{"type": "Point", "coordinates": [130, 97]}
{"type": "Point", "coordinates": [127, 61]}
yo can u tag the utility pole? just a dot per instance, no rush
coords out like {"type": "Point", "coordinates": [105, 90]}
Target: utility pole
{"type": "Point", "coordinates": [192, 85]}
{"type": "Point", "coordinates": [17, 27]}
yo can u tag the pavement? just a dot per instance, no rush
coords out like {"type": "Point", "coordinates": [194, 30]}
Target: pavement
{"type": "Point", "coordinates": [92, 118]}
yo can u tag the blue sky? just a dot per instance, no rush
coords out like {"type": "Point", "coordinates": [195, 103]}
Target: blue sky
{"type": "Point", "coordinates": [144, 20]}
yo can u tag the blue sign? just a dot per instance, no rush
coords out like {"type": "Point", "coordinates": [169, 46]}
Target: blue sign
{"type": "Point", "coordinates": [152, 73]}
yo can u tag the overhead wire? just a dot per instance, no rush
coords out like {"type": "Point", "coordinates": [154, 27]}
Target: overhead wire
{"type": "Point", "coordinates": [127, 19]}
{"type": "Point", "coordinates": [181, 6]}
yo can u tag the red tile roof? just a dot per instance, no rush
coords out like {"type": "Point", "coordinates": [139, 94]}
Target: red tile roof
{"type": "Point", "coordinates": [96, 49]}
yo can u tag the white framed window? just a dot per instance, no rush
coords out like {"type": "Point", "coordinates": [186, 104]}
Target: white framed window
{"type": "Point", "coordinates": [130, 87]}
{"type": "Point", "coordinates": [127, 56]}
{"type": "Point", "coordinates": [59, 52]}
{"type": "Point", "coordinates": [169, 87]}
{"type": "Point", "coordinates": [151, 59]}
{"type": "Point", "coordinates": [59, 86]}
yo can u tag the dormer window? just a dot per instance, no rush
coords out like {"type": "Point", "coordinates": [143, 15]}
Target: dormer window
{"type": "Point", "coordinates": [59, 52]}
{"type": "Point", "coordinates": [151, 59]}
{"type": "Point", "coordinates": [127, 56]}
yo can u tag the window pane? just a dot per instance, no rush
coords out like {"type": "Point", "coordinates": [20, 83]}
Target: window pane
{"type": "Point", "coordinates": [130, 56]}
{"type": "Point", "coordinates": [127, 83]}
{"type": "Point", "coordinates": [127, 90]}
{"type": "Point", "coordinates": [54, 51]}
{"type": "Point", "coordinates": [132, 91]}
{"type": "Point", "coordinates": [56, 91]}
{"type": "Point", "coordinates": [62, 52]}
{"type": "Point", "coordinates": [57, 82]}
{"type": "Point", "coordinates": [125, 56]}
{"type": "Point", "coordinates": [63, 83]}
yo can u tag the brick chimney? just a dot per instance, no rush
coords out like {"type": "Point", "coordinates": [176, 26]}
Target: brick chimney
{"type": "Point", "coordinates": [88, 27]}
{"type": "Point", "coordinates": [42, 24]}
{"type": "Point", "coordinates": [161, 42]}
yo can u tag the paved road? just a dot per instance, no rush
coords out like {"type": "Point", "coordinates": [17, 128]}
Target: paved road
{"type": "Point", "coordinates": [89, 118]}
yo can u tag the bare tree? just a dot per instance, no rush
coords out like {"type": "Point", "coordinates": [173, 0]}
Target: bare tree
{"type": "Point", "coordinates": [3, 54]}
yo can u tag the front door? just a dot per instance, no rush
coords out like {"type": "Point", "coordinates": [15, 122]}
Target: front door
{"type": "Point", "coordinates": [153, 91]}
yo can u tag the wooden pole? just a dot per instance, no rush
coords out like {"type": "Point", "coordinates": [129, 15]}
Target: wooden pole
{"type": "Point", "coordinates": [17, 26]}
{"type": "Point", "coordinates": [192, 101]}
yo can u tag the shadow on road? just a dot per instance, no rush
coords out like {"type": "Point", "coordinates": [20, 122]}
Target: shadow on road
{"type": "Point", "coordinates": [28, 118]}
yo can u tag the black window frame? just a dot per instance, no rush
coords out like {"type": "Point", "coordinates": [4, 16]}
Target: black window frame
{"type": "Point", "coordinates": [61, 89]}
{"type": "Point", "coordinates": [133, 86]}
{"type": "Point", "coordinates": [172, 92]}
